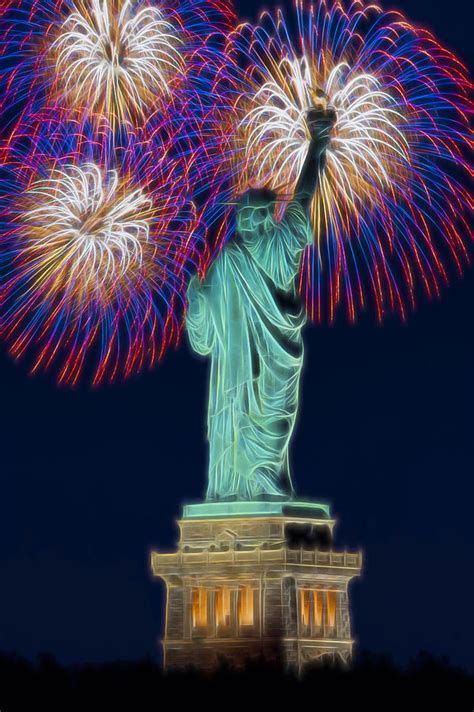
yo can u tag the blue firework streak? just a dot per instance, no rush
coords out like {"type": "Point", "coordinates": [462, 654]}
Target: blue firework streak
{"type": "Point", "coordinates": [95, 254]}
{"type": "Point", "coordinates": [391, 207]}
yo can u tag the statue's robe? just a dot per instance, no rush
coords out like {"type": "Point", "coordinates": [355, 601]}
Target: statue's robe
{"type": "Point", "coordinates": [247, 316]}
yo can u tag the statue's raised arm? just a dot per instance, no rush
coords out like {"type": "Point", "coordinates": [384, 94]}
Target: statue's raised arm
{"type": "Point", "coordinates": [277, 246]}
{"type": "Point", "coordinates": [320, 122]}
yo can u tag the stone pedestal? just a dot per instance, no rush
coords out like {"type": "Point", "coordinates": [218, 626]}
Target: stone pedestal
{"type": "Point", "coordinates": [267, 584]}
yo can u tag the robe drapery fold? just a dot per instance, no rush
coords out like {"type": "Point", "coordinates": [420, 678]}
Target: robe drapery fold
{"type": "Point", "coordinates": [247, 317]}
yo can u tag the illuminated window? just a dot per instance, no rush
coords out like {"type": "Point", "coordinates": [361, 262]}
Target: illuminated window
{"type": "Point", "coordinates": [305, 606]}
{"type": "Point", "coordinates": [318, 608]}
{"type": "Point", "coordinates": [223, 607]}
{"type": "Point", "coordinates": [199, 608]}
{"type": "Point", "coordinates": [246, 606]}
{"type": "Point", "coordinates": [331, 608]}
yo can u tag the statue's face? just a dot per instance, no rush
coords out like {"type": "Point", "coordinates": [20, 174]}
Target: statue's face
{"type": "Point", "coordinates": [253, 220]}
{"type": "Point", "coordinates": [255, 214]}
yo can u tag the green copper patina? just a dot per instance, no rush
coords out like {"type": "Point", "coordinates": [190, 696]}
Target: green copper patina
{"type": "Point", "coordinates": [246, 315]}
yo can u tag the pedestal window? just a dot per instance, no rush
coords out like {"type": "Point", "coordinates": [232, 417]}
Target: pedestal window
{"type": "Point", "coordinates": [305, 609]}
{"type": "Point", "coordinates": [246, 610]}
{"type": "Point", "coordinates": [223, 611]}
{"type": "Point", "coordinates": [331, 611]}
{"type": "Point", "coordinates": [200, 613]}
{"type": "Point", "coordinates": [317, 611]}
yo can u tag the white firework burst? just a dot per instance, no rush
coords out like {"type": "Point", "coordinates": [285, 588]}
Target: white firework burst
{"type": "Point", "coordinates": [114, 58]}
{"type": "Point", "coordinates": [366, 143]}
{"type": "Point", "coordinates": [86, 230]}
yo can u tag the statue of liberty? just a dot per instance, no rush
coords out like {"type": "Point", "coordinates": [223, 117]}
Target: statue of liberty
{"type": "Point", "coordinates": [247, 316]}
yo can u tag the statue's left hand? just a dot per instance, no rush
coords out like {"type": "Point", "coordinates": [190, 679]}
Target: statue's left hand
{"type": "Point", "coordinates": [193, 289]}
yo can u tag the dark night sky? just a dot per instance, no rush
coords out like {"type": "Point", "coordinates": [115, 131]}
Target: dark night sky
{"type": "Point", "coordinates": [91, 480]}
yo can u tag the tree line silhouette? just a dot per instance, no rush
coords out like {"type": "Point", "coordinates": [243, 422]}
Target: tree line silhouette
{"type": "Point", "coordinates": [373, 682]}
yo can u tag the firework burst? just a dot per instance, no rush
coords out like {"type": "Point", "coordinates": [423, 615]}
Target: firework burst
{"type": "Point", "coordinates": [94, 257]}
{"type": "Point", "coordinates": [88, 227]}
{"type": "Point", "coordinates": [115, 58]}
{"type": "Point", "coordinates": [107, 62]}
{"type": "Point", "coordinates": [390, 205]}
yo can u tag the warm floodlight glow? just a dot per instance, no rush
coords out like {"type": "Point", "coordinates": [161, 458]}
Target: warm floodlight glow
{"type": "Point", "coordinates": [237, 590]}
{"type": "Point", "coordinates": [246, 606]}
{"type": "Point", "coordinates": [318, 607]}
{"type": "Point", "coordinates": [199, 608]}
{"type": "Point", "coordinates": [223, 607]}
{"type": "Point", "coordinates": [331, 604]}
{"type": "Point", "coordinates": [305, 606]}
